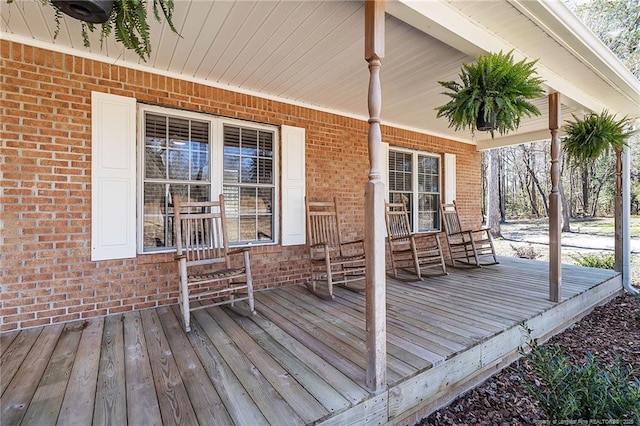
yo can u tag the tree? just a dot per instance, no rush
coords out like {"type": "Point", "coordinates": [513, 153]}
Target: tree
{"type": "Point", "coordinates": [617, 24]}
{"type": "Point", "coordinates": [493, 210]}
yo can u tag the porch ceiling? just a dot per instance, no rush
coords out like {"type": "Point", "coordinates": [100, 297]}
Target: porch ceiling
{"type": "Point", "coordinates": [311, 53]}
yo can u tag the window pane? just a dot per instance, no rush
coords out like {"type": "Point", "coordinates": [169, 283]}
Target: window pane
{"type": "Point", "coordinates": [232, 209]}
{"type": "Point", "coordinates": [178, 160]}
{"type": "Point", "coordinates": [155, 127]}
{"type": "Point", "coordinates": [231, 168]}
{"type": "Point", "coordinates": [428, 212]}
{"type": "Point", "coordinates": [428, 174]}
{"type": "Point", "coordinates": [247, 201]}
{"type": "Point", "coordinates": [265, 144]}
{"type": "Point", "coordinates": [155, 162]}
{"type": "Point", "coordinates": [265, 200]}
{"type": "Point", "coordinates": [154, 212]}
{"type": "Point", "coordinates": [249, 142]}
{"type": "Point", "coordinates": [247, 228]}
{"type": "Point", "coordinates": [400, 171]}
{"type": "Point", "coordinates": [265, 230]}
{"type": "Point", "coordinates": [265, 170]}
{"type": "Point", "coordinates": [249, 170]}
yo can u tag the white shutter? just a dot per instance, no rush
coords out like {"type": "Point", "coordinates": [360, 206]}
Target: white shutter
{"type": "Point", "coordinates": [113, 177]}
{"type": "Point", "coordinates": [293, 186]}
{"type": "Point", "coordinates": [449, 178]}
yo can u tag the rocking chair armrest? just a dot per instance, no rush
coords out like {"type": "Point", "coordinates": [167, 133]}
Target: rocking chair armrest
{"type": "Point", "coordinates": [400, 237]}
{"type": "Point", "coordinates": [318, 245]}
{"type": "Point", "coordinates": [420, 235]}
{"type": "Point", "coordinates": [353, 242]}
{"type": "Point", "coordinates": [238, 250]}
{"type": "Point", "coordinates": [467, 231]}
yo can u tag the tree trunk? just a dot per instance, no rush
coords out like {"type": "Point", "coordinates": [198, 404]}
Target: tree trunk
{"type": "Point", "coordinates": [494, 195]}
{"type": "Point", "coordinates": [585, 190]}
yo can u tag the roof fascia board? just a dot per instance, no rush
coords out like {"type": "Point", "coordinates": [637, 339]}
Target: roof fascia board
{"type": "Point", "coordinates": [447, 24]}
{"type": "Point", "coordinates": [146, 68]}
{"type": "Point", "coordinates": [569, 31]}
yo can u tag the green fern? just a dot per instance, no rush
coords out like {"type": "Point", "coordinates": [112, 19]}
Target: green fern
{"type": "Point", "coordinates": [128, 24]}
{"type": "Point", "coordinates": [593, 135]}
{"type": "Point", "coordinates": [496, 84]}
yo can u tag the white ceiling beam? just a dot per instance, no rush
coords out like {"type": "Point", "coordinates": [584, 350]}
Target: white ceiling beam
{"type": "Point", "coordinates": [514, 139]}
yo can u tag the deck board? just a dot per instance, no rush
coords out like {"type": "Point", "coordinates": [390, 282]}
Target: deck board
{"type": "Point", "coordinates": [142, 399]}
{"type": "Point", "coordinates": [111, 403]}
{"type": "Point", "coordinates": [79, 398]}
{"type": "Point", "coordinates": [16, 398]}
{"type": "Point", "coordinates": [46, 402]}
{"type": "Point", "coordinates": [299, 360]}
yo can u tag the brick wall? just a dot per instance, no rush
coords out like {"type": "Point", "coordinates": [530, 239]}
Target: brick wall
{"type": "Point", "coordinates": [45, 207]}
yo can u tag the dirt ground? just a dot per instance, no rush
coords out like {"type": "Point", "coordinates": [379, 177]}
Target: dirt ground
{"type": "Point", "coordinates": [609, 331]}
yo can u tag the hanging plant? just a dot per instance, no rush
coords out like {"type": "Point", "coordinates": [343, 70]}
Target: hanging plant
{"type": "Point", "coordinates": [126, 19]}
{"type": "Point", "coordinates": [589, 137]}
{"type": "Point", "coordinates": [493, 94]}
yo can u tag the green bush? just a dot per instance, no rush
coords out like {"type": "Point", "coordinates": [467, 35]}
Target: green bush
{"type": "Point", "coordinates": [602, 261]}
{"type": "Point", "coordinates": [581, 392]}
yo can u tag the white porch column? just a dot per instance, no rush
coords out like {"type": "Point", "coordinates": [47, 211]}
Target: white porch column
{"type": "Point", "coordinates": [617, 214]}
{"type": "Point", "coordinates": [374, 206]}
{"type": "Point", "coordinates": [555, 218]}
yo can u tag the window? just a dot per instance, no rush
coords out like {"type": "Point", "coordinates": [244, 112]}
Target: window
{"type": "Point", "coordinates": [197, 157]}
{"type": "Point", "coordinates": [248, 183]}
{"type": "Point", "coordinates": [415, 178]}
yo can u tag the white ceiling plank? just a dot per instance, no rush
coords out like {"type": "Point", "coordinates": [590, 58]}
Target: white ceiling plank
{"type": "Point", "coordinates": [322, 21]}
{"type": "Point", "coordinates": [265, 20]}
{"type": "Point", "coordinates": [224, 38]}
{"type": "Point", "coordinates": [13, 19]}
{"type": "Point", "coordinates": [196, 15]}
{"type": "Point", "coordinates": [277, 48]}
{"type": "Point", "coordinates": [203, 44]}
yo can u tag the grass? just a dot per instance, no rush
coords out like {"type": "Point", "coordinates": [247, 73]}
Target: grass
{"type": "Point", "coordinates": [596, 226]}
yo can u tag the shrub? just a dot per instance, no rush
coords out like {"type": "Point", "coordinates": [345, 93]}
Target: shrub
{"type": "Point", "coordinates": [578, 392]}
{"type": "Point", "coordinates": [602, 261]}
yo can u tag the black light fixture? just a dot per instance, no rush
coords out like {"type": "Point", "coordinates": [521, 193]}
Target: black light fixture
{"type": "Point", "coordinates": [92, 11]}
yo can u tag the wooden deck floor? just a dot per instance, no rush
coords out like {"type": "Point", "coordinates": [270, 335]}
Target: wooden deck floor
{"type": "Point", "coordinates": [300, 360]}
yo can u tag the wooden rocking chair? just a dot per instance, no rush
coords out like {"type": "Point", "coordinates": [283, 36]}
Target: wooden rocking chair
{"type": "Point", "coordinates": [333, 260]}
{"type": "Point", "coordinates": [466, 246]}
{"type": "Point", "coordinates": [207, 273]}
{"type": "Point", "coordinates": [411, 252]}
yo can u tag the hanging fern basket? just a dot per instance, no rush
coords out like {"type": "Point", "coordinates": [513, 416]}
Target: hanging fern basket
{"type": "Point", "coordinates": [92, 11]}
{"type": "Point", "coordinates": [126, 20]}
{"type": "Point", "coordinates": [594, 134]}
{"type": "Point", "coordinates": [492, 95]}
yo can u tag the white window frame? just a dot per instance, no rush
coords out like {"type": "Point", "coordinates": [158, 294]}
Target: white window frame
{"type": "Point", "coordinates": [216, 163]}
{"type": "Point", "coordinates": [414, 183]}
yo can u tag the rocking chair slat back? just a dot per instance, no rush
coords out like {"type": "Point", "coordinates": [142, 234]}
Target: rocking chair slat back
{"type": "Point", "coordinates": [204, 261]}
{"type": "Point", "coordinates": [411, 252]}
{"type": "Point", "coordinates": [468, 247]}
{"type": "Point", "coordinates": [398, 224]}
{"type": "Point", "coordinates": [333, 261]}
